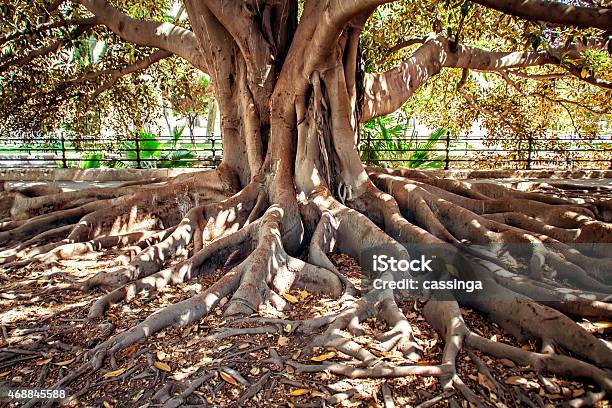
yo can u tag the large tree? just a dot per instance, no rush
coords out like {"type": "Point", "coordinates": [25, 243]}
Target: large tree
{"type": "Point", "coordinates": [292, 92]}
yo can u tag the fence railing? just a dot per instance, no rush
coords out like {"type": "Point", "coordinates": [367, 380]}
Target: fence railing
{"type": "Point", "coordinates": [477, 152]}
{"type": "Point", "coordinates": [474, 152]}
{"type": "Point", "coordinates": [137, 151]}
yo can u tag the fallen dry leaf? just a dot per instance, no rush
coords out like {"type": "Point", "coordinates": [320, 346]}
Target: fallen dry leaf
{"type": "Point", "coordinates": [290, 298]}
{"type": "Point", "coordinates": [298, 392]}
{"type": "Point", "coordinates": [64, 363]}
{"type": "Point", "coordinates": [228, 378]}
{"type": "Point", "coordinates": [324, 357]}
{"type": "Point", "coordinates": [522, 381]}
{"type": "Point", "coordinates": [131, 350]}
{"type": "Point", "coordinates": [162, 366]}
{"type": "Point", "coordinates": [283, 341]}
{"type": "Point", "coordinates": [116, 373]}
{"type": "Point", "coordinates": [192, 342]}
{"type": "Point", "coordinates": [602, 326]}
{"type": "Point", "coordinates": [43, 362]}
{"type": "Point", "coordinates": [303, 294]}
{"type": "Point", "coordinates": [484, 381]}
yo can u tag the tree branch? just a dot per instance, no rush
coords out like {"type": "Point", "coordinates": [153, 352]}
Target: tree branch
{"type": "Point", "coordinates": [537, 76]}
{"type": "Point", "coordinates": [509, 81]}
{"type": "Point", "coordinates": [575, 71]}
{"type": "Point", "coordinates": [240, 20]}
{"type": "Point", "coordinates": [406, 43]}
{"type": "Point", "coordinates": [166, 36]}
{"type": "Point", "coordinates": [48, 26]}
{"type": "Point", "coordinates": [342, 11]}
{"type": "Point", "coordinates": [45, 50]}
{"type": "Point", "coordinates": [553, 12]}
{"type": "Point", "coordinates": [386, 92]}
{"type": "Point", "coordinates": [333, 17]}
{"type": "Point", "coordinates": [481, 109]}
{"type": "Point", "coordinates": [118, 73]}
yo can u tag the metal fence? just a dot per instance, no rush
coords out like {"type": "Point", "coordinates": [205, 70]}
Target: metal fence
{"type": "Point", "coordinates": [64, 150]}
{"type": "Point", "coordinates": [477, 152]}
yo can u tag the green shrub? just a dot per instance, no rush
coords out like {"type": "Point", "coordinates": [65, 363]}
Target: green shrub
{"type": "Point", "coordinates": [391, 146]}
{"type": "Point", "coordinates": [92, 161]}
{"type": "Point", "coordinates": [156, 154]}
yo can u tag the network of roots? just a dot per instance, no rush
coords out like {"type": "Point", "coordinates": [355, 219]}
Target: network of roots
{"type": "Point", "coordinates": [164, 233]}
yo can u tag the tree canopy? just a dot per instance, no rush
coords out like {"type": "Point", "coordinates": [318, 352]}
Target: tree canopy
{"type": "Point", "coordinates": [46, 81]}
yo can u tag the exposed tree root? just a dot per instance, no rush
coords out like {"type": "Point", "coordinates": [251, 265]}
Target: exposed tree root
{"type": "Point", "coordinates": [204, 261]}
{"type": "Point", "coordinates": [220, 218]}
{"type": "Point", "coordinates": [529, 293]}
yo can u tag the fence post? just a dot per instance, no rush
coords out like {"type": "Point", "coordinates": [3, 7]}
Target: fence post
{"type": "Point", "coordinates": [570, 156]}
{"type": "Point", "coordinates": [447, 158]}
{"type": "Point", "coordinates": [529, 149]}
{"type": "Point", "coordinates": [63, 142]}
{"type": "Point", "coordinates": [367, 149]}
{"type": "Point", "coordinates": [138, 164]}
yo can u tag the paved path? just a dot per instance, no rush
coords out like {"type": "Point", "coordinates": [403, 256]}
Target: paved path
{"type": "Point", "coordinates": [516, 183]}
{"type": "Point", "coordinates": [65, 185]}
{"type": "Point", "coordinates": [521, 184]}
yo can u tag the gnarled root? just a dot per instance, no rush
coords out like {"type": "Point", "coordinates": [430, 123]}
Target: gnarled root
{"type": "Point", "coordinates": [446, 318]}
{"type": "Point", "coordinates": [271, 272]}
{"type": "Point", "coordinates": [243, 238]}
{"type": "Point", "coordinates": [282, 273]}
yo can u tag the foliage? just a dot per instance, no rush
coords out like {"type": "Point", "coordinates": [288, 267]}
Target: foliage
{"type": "Point", "coordinates": [189, 92]}
{"type": "Point", "coordinates": [385, 141]}
{"type": "Point", "coordinates": [154, 153]}
{"type": "Point", "coordinates": [565, 103]}
{"type": "Point", "coordinates": [92, 161]}
{"type": "Point", "coordinates": [59, 87]}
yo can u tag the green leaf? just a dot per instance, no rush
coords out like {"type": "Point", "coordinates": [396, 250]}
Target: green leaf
{"type": "Point", "coordinates": [92, 161]}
